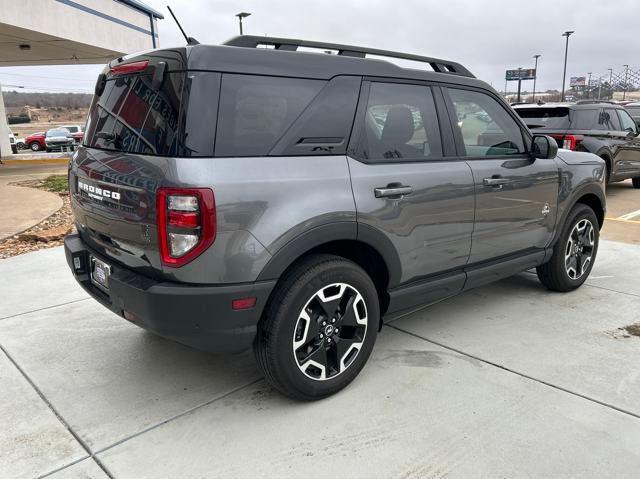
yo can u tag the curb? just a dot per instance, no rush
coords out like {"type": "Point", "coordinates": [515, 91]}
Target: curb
{"type": "Point", "coordinates": [44, 161]}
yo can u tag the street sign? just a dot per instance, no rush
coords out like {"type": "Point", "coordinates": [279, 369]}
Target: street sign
{"type": "Point", "coordinates": [522, 74]}
{"type": "Point", "coordinates": [577, 81]}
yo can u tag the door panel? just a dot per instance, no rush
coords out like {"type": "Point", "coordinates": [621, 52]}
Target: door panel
{"type": "Point", "coordinates": [403, 186]}
{"type": "Point", "coordinates": [520, 213]}
{"type": "Point", "coordinates": [516, 196]}
{"type": "Point", "coordinates": [431, 227]}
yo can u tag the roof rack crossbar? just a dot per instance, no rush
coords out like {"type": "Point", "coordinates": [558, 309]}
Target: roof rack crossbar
{"type": "Point", "coordinates": [289, 44]}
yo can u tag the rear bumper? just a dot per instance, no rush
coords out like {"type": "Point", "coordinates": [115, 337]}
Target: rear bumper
{"type": "Point", "coordinates": [198, 316]}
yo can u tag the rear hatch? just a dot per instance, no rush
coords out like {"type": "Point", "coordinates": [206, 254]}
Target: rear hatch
{"type": "Point", "coordinates": [546, 120]}
{"type": "Point", "coordinates": [132, 131]}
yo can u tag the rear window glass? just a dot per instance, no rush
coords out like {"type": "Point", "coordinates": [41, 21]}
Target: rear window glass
{"type": "Point", "coordinates": [130, 116]}
{"type": "Point", "coordinates": [255, 111]}
{"type": "Point", "coordinates": [555, 118]}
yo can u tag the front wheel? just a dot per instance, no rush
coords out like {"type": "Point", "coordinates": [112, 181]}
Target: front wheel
{"type": "Point", "coordinates": [574, 253]}
{"type": "Point", "coordinates": [35, 146]}
{"type": "Point", "coordinates": [636, 182]}
{"type": "Point", "coordinates": [319, 328]}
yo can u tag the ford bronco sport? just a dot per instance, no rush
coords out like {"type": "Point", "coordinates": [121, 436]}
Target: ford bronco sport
{"type": "Point", "coordinates": [229, 196]}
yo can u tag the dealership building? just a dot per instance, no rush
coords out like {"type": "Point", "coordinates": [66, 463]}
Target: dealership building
{"type": "Point", "coordinates": [70, 32]}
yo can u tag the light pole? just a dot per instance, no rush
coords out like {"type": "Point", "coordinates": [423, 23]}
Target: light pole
{"type": "Point", "coordinates": [589, 85]}
{"type": "Point", "coordinates": [611, 82]}
{"type": "Point", "coordinates": [519, 83]}
{"type": "Point", "coordinates": [240, 16]}
{"type": "Point", "coordinates": [626, 81]}
{"type": "Point", "coordinates": [566, 52]}
{"type": "Point", "coordinates": [599, 87]}
{"type": "Point", "coordinates": [535, 77]}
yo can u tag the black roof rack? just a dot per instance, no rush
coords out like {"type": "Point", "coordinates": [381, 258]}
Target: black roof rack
{"type": "Point", "coordinates": [594, 102]}
{"type": "Point", "coordinates": [289, 44]}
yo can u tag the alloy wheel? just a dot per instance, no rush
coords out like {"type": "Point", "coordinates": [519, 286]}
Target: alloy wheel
{"type": "Point", "coordinates": [330, 331]}
{"type": "Point", "coordinates": [579, 249]}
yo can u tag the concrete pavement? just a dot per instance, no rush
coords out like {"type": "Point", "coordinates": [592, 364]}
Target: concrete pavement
{"type": "Point", "coordinates": [21, 208]}
{"type": "Point", "coordinates": [509, 380]}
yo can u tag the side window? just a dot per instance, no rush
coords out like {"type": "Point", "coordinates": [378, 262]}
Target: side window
{"type": "Point", "coordinates": [610, 120]}
{"type": "Point", "coordinates": [400, 122]}
{"type": "Point", "coordinates": [486, 127]}
{"type": "Point", "coordinates": [255, 111]}
{"type": "Point", "coordinates": [324, 127]}
{"type": "Point", "coordinates": [627, 122]}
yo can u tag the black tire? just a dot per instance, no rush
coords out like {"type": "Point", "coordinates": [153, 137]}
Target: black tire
{"type": "Point", "coordinates": [636, 182]}
{"type": "Point", "coordinates": [35, 146]}
{"type": "Point", "coordinates": [556, 273]}
{"type": "Point", "coordinates": [282, 325]}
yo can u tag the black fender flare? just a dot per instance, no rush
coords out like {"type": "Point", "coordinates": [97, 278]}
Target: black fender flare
{"type": "Point", "coordinates": [320, 235]}
{"type": "Point", "coordinates": [585, 189]}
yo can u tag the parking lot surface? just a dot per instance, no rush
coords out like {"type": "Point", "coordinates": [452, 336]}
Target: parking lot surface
{"type": "Point", "coordinates": [508, 380]}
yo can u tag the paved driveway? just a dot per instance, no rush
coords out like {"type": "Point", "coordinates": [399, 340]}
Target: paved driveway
{"type": "Point", "coordinates": [505, 381]}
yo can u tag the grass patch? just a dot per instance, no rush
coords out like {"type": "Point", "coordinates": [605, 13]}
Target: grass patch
{"type": "Point", "coordinates": [56, 184]}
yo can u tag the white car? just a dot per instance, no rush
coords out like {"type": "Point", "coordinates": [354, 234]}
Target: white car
{"type": "Point", "coordinates": [12, 142]}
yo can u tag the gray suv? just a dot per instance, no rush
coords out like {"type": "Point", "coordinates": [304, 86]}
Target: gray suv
{"type": "Point", "coordinates": [230, 196]}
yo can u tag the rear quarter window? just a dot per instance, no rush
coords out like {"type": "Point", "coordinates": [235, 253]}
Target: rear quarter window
{"type": "Point", "coordinates": [585, 119]}
{"type": "Point", "coordinates": [255, 111]}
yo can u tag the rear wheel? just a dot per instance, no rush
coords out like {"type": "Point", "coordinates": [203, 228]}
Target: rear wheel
{"type": "Point", "coordinates": [574, 253]}
{"type": "Point", "coordinates": [35, 146]}
{"type": "Point", "coordinates": [319, 328]}
{"type": "Point", "coordinates": [636, 182]}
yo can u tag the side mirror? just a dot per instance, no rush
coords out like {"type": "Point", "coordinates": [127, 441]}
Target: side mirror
{"type": "Point", "coordinates": [544, 147]}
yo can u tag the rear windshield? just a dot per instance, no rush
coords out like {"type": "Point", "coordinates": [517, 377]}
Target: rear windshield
{"type": "Point", "coordinates": [553, 118]}
{"type": "Point", "coordinates": [205, 114]}
{"type": "Point", "coordinates": [130, 116]}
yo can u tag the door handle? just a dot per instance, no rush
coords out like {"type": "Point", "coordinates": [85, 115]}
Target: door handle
{"type": "Point", "coordinates": [393, 191]}
{"type": "Point", "coordinates": [495, 182]}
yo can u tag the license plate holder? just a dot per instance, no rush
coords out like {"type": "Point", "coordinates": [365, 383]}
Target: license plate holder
{"type": "Point", "coordinates": [100, 272]}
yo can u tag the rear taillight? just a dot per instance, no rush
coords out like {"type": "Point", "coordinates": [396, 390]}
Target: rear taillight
{"type": "Point", "coordinates": [186, 223]}
{"type": "Point", "coordinates": [568, 142]}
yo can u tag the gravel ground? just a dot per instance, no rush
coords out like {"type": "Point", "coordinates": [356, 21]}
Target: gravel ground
{"type": "Point", "coordinates": [15, 245]}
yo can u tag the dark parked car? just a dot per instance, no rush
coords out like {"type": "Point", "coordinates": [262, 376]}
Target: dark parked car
{"type": "Point", "coordinates": [605, 129]}
{"type": "Point", "coordinates": [230, 196]}
{"type": "Point", "coordinates": [634, 111]}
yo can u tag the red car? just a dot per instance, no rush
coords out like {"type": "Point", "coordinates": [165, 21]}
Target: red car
{"type": "Point", "coordinates": [35, 141]}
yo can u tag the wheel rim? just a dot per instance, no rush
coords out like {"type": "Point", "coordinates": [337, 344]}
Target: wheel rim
{"type": "Point", "coordinates": [35, 147]}
{"type": "Point", "coordinates": [330, 331]}
{"type": "Point", "coordinates": [579, 250]}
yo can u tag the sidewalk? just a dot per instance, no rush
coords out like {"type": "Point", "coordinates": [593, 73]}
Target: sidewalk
{"type": "Point", "coordinates": [21, 208]}
{"type": "Point", "coordinates": [508, 380]}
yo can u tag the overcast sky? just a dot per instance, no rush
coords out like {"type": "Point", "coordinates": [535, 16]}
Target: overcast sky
{"type": "Point", "coordinates": [486, 36]}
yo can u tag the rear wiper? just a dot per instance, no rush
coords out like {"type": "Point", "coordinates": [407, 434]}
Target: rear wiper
{"type": "Point", "coordinates": [535, 126]}
{"type": "Point", "coordinates": [110, 138]}
{"type": "Point", "coordinates": [105, 136]}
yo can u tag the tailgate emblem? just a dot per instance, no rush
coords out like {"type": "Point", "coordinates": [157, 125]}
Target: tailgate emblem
{"type": "Point", "coordinates": [96, 192]}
